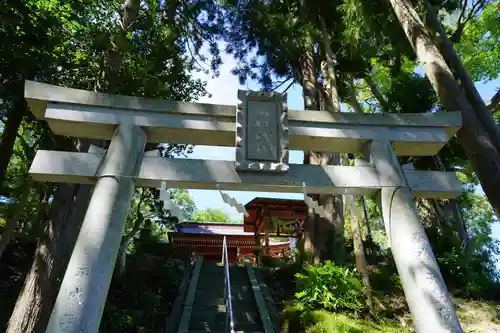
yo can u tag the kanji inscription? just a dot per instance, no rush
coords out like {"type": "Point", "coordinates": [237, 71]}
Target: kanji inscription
{"type": "Point", "coordinates": [261, 132]}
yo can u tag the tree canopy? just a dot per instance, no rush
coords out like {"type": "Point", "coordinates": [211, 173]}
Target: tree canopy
{"type": "Point", "coordinates": [361, 55]}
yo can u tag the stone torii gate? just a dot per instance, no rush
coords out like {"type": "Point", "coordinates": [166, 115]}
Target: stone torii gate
{"type": "Point", "coordinates": [263, 129]}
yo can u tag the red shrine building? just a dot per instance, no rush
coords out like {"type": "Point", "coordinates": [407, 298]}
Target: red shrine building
{"type": "Point", "coordinates": [270, 228]}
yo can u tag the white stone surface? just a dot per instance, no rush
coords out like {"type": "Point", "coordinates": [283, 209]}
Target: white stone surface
{"type": "Point", "coordinates": [92, 115]}
{"type": "Point", "coordinates": [424, 287]}
{"type": "Point", "coordinates": [81, 298]}
{"type": "Point", "coordinates": [80, 168]}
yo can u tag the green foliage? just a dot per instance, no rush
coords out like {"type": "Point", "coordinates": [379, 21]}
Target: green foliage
{"type": "Point", "coordinates": [471, 271]}
{"type": "Point", "coordinates": [479, 46]}
{"type": "Point", "coordinates": [182, 198]}
{"type": "Point", "coordinates": [82, 44]}
{"type": "Point", "coordinates": [214, 215]}
{"type": "Point", "coordinates": [330, 287]}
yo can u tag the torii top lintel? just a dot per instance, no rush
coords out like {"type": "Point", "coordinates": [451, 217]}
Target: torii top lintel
{"type": "Point", "coordinates": [86, 114]}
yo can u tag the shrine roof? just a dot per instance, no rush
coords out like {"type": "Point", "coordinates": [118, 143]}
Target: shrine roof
{"type": "Point", "coordinates": [277, 204]}
{"type": "Point", "coordinates": [200, 229]}
{"type": "Point", "coordinates": [212, 229]}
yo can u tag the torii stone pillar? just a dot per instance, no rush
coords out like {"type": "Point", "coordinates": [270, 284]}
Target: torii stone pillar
{"type": "Point", "coordinates": [84, 289]}
{"type": "Point", "coordinates": [424, 287]}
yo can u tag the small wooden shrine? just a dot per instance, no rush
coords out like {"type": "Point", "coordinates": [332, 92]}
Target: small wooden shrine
{"type": "Point", "coordinates": [205, 239]}
{"type": "Point", "coordinates": [274, 218]}
{"type": "Point", "coordinates": [270, 218]}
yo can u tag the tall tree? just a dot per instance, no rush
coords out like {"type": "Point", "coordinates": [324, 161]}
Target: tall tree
{"type": "Point", "coordinates": [124, 49]}
{"type": "Point", "coordinates": [456, 65]}
{"type": "Point", "coordinates": [291, 46]}
{"type": "Point", "coordinates": [35, 30]}
{"type": "Point", "coordinates": [476, 141]}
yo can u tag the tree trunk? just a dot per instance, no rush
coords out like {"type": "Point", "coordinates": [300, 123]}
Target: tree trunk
{"type": "Point", "coordinates": [359, 250]}
{"type": "Point", "coordinates": [34, 304]}
{"type": "Point", "coordinates": [55, 245]}
{"type": "Point", "coordinates": [309, 90]}
{"type": "Point", "coordinates": [453, 60]}
{"type": "Point", "coordinates": [14, 118]}
{"type": "Point", "coordinates": [10, 225]}
{"type": "Point", "coordinates": [353, 98]}
{"type": "Point", "coordinates": [369, 236]}
{"type": "Point", "coordinates": [376, 93]}
{"type": "Point", "coordinates": [45, 193]}
{"type": "Point", "coordinates": [460, 224]}
{"type": "Point", "coordinates": [329, 77]}
{"type": "Point", "coordinates": [122, 253]}
{"type": "Point", "coordinates": [455, 210]}
{"type": "Point", "coordinates": [138, 222]}
{"type": "Point", "coordinates": [476, 142]}
{"type": "Point", "coordinates": [331, 227]}
{"type": "Point", "coordinates": [114, 58]}
{"type": "Point", "coordinates": [357, 240]}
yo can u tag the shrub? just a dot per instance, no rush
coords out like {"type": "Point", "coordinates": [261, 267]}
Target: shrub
{"type": "Point", "coordinates": [330, 287]}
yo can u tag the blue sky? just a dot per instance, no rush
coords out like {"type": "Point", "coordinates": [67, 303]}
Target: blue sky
{"type": "Point", "coordinates": [223, 90]}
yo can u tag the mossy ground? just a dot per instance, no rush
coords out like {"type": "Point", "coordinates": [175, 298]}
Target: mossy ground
{"type": "Point", "coordinates": [326, 322]}
{"type": "Point", "coordinates": [477, 316]}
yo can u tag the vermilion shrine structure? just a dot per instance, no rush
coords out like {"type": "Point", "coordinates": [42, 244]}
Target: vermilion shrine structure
{"type": "Point", "coordinates": [263, 130]}
{"type": "Point", "coordinates": [274, 218]}
{"type": "Point", "coordinates": [205, 239]}
{"type": "Point", "coordinates": [244, 240]}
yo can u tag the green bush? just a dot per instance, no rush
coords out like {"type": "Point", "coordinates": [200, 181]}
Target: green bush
{"type": "Point", "coordinates": [467, 273]}
{"type": "Point", "coordinates": [330, 287]}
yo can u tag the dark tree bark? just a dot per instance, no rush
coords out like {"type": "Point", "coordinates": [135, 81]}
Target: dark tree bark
{"type": "Point", "coordinates": [311, 102]}
{"type": "Point", "coordinates": [34, 304]}
{"type": "Point", "coordinates": [319, 231]}
{"type": "Point", "coordinates": [11, 223]}
{"type": "Point", "coordinates": [376, 93]}
{"type": "Point", "coordinates": [359, 255]}
{"type": "Point", "coordinates": [55, 245]}
{"type": "Point", "coordinates": [8, 138]}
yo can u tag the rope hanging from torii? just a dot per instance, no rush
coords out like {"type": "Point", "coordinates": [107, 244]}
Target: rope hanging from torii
{"type": "Point", "coordinates": [233, 202]}
{"type": "Point", "coordinates": [313, 204]}
{"type": "Point", "coordinates": [168, 204]}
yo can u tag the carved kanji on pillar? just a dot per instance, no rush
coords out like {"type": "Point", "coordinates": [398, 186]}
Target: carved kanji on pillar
{"type": "Point", "coordinates": [261, 132]}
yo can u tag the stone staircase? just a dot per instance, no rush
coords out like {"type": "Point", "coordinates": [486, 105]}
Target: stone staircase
{"type": "Point", "coordinates": [208, 311]}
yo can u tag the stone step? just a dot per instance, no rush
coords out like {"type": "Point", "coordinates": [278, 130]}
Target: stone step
{"type": "Point", "coordinates": [209, 311]}
{"type": "Point", "coordinates": [236, 331]}
{"type": "Point", "coordinates": [219, 326]}
{"type": "Point", "coordinates": [220, 301]}
{"type": "Point", "coordinates": [214, 312]}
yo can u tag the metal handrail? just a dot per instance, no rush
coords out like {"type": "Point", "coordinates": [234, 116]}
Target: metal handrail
{"type": "Point", "coordinates": [229, 323]}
